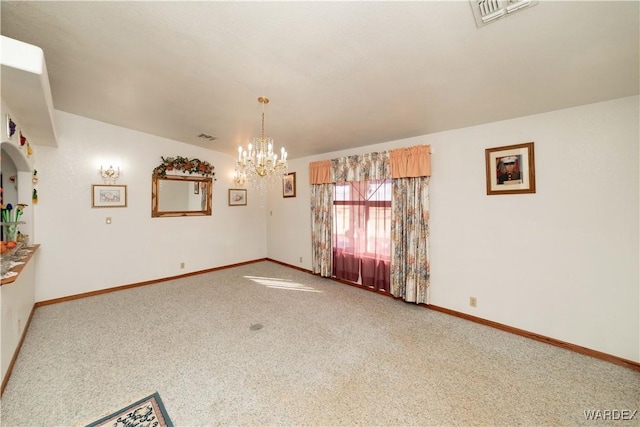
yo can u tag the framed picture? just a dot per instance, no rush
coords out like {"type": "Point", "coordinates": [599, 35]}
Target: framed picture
{"type": "Point", "coordinates": [11, 126]}
{"type": "Point", "coordinates": [289, 185]}
{"type": "Point", "coordinates": [237, 197]}
{"type": "Point", "coordinates": [108, 196]}
{"type": "Point", "coordinates": [511, 169]}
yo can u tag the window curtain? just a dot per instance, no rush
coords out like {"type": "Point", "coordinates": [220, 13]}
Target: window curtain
{"type": "Point", "coordinates": [321, 217]}
{"type": "Point", "coordinates": [410, 169]}
{"type": "Point", "coordinates": [321, 214]}
{"type": "Point", "coordinates": [358, 260]}
{"type": "Point", "coordinates": [362, 232]}
{"type": "Point", "coordinates": [410, 239]}
{"type": "Point", "coordinates": [410, 223]}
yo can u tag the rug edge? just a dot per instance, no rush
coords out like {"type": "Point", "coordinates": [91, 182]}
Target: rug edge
{"type": "Point", "coordinates": [155, 397]}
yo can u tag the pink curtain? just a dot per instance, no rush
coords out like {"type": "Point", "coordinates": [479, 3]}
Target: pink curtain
{"type": "Point", "coordinates": [362, 232]}
{"type": "Point", "coordinates": [376, 273]}
{"type": "Point", "coordinates": [345, 265]}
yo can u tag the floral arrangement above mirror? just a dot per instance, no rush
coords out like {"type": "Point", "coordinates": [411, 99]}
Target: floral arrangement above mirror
{"type": "Point", "coordinates": [184, 164]}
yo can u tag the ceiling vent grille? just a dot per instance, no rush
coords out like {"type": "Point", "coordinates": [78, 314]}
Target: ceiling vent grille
{"type": "Point", "coordinates": [487, 11]}
{"type": "Point", "coordinates": [205, 136]}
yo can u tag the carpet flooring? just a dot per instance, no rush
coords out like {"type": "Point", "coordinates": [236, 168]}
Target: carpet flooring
{"type": "Point", "coordinates": [266, 345]}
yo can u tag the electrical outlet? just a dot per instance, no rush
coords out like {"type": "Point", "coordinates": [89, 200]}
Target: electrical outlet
{"type": "Point", "coordinates": [19, 325]}
{"type": "Point", "coordinates": [300, 259]}
{"type": "Point", "coordinates": [473, 302]}
{"type": "Point", "coordinates": [182, 265]}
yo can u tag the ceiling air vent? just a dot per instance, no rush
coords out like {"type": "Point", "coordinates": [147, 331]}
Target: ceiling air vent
{"type": "Point", "coordinates": [205, 136]}
{"type": "Point", "coordinates": [486, 11]}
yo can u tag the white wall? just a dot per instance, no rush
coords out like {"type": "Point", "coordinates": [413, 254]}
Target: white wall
{"type": "Point", "coordinates": [563, 262]}
{"type": "Point", "coordinates": [16, 298]}
{"type": "Point", "coordinates": [81, 253]}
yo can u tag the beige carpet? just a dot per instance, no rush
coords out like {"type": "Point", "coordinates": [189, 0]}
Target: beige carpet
{"type": "Point", "coordinates": [264, 344]}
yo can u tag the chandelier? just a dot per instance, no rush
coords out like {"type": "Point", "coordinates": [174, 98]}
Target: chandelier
{"type": "Point", "coordinates": [258, 164]}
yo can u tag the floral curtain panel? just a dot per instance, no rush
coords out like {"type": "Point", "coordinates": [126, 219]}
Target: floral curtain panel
{"type": "Point", "coordinates": [321, 214]}
{"type": "Point", "coordinates": [411, 169]}
{"type": "Point", "coordinates": [410, 239]}
{"type": "Point", "coordinates": [321, 217]}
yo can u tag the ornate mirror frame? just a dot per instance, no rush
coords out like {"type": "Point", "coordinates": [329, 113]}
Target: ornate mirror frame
{"type": "Point", "coordinates": [197, 193]}
{"type": "Point", "coordinates": [205, 192]}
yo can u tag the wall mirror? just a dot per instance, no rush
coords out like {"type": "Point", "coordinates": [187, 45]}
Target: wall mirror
{"type": "Point", "coordinates": [180, 196]}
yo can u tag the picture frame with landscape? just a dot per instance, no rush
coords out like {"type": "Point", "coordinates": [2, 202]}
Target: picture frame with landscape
{"type": "Point", "coordinates": [108, 196]}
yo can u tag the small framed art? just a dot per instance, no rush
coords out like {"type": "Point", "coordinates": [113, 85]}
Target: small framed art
{"type": "Point", "coordinates": [289, 185]}
{"type": "Point", "coordinates": [237, 197]}
{"type": "Point", "coordinates": [108, 196]}
{"type": "Point", "coordinates": [11, 126]}
{"type": "Point", "coordinates": [510, 169]}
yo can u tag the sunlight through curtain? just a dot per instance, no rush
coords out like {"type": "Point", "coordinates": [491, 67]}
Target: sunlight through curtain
{"type": "Point", "coordinates": [362, 219]}
{"type": "Point", "coordinates": [362, 232]}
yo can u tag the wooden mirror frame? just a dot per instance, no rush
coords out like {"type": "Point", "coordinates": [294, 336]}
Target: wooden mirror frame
{"type": "Point", "coordinates": [204, 184]}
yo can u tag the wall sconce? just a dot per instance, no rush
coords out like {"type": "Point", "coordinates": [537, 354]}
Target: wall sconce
{"type": "Point", "coordinates": [111, 175]}
{"type": "Point", "coordinates": [239, 179]}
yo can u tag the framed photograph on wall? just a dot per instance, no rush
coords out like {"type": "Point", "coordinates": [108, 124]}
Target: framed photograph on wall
{"type": "Point", "coordinates": [108, 196]}
{"type": "Point", "coordinates": [237, 197]}
{"type": "Point", "coordinates": [289, 185]}
{"type": "Point", "coordinates": [510, 169]}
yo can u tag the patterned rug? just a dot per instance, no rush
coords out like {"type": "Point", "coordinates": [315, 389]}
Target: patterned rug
{"type": "Point", "coordinates": [147, 412]}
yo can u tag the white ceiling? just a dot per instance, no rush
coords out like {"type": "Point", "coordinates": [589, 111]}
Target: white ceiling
{"type": "Point", "coordinates": [338, 74]}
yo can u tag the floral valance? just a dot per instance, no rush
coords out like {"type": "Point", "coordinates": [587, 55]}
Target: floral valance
{"type": "Point", "coordinates": [399, 163]}
{"type": "Point", "coordinates": [363, 167]}
{"type": "Point", "coordinates": [183, 164]}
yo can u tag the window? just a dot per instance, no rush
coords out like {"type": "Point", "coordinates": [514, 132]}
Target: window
{"type": "Point", "coordinates": [362, 232]}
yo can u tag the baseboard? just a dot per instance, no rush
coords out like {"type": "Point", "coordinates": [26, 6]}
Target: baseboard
{"type": "Point", "coordinates": [558, 343]}
{"type": "Point", "coordinates": [16, 352]}
{"type": "Point", "coordinates": [289, 265]}
{"type": "Point", "coordinates": [138, 284]}
{"type": "Point", "coordinates": [531, 335]}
